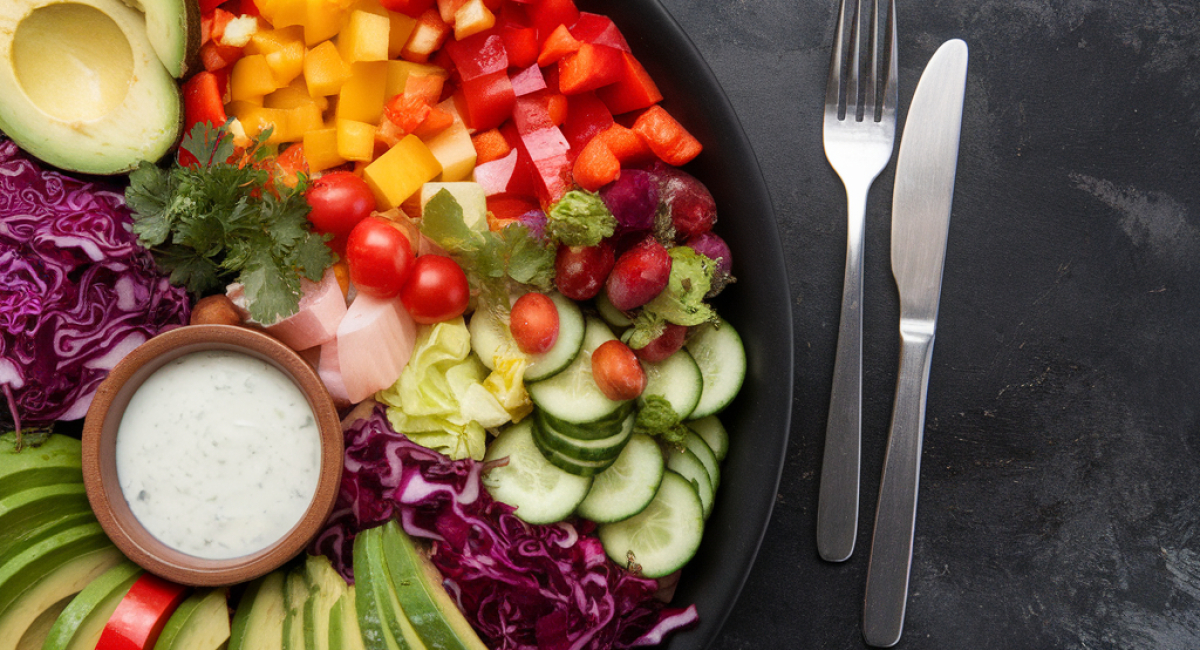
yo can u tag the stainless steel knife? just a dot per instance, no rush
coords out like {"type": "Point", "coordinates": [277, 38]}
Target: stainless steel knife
{"type": "Point", "coordinates": [921, 200]}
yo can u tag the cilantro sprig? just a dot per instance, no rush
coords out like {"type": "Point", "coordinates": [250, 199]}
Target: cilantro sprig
{"type": "Point", "coordinates": [226, 219]}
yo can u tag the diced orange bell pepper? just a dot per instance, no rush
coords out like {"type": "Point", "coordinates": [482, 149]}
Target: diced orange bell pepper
{"type": "Point", "coordinates": [596, 166]}
{"type": "Point", "coordinates": [560, 43]}
{"type": "Point", "coordinates": [589, 68]}
{"type": "Point", "coordinates": [406, 112]}
{"type": "Point", "coordinates": [633, 90]}
{"type": "Point", "coordinates": [435, 122]}
{"type": "Point", "coordinates": [626, 145]}
{"type": "Point", "coordinates": [490, 145]}
{"type": "Point", "coordinates": [666, 137]}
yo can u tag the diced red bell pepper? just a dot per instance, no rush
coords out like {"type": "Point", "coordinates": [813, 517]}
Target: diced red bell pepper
{"type": "Point", "coordinates": [521, 45]}
{"type": "Point", "coordinates": [202, 100]}
{"type": "Point", "coordinates": [216, 57]}
{"type": "Point", "coordinates": [142, 614]}
{"type": "Point", "coordinates": [666, 137]}
{"type": "Point", "coordinates": [478, 55]}
{"type": "Point", "coordinates": [545, 144]}
{"type": "Point", "coordinates": [220, 20]}
{"type": "Point", "coordinates": [592, 67]}
{"type": "Point", "coordinates": [528, 81]}
{"type": "Point", "coordinates": [243, 8]}
{"type": "Point", "coordinates": [521, 181]}
{"type": "Point", "coordinates": [487, 100]}
{"type": "Point", "coordinates": [411, 8]}
{"type": "Point", "coordinates": [504, 209]}
{"type": "Point", "coordinates": [599, 30]}
{"type": "Point", "coordinates": [559, 44]}
{"type": "Point", "coordinates": [634, 89]}
{"type": "Point", "coordinates": [208, 5]}
{"type": "Point", "coordinates": [546, 15]}
{"type": "Point", "coordinates": [586, 117]}
{"type": "Point", "coordinates": [495, 176]}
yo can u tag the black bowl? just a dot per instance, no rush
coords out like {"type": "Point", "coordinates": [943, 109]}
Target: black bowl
{"type": "Point", "coordinates": [758, 305]}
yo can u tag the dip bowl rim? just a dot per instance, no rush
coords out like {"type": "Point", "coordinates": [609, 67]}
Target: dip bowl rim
{"type": "Point", "coordinates": [99, 455]}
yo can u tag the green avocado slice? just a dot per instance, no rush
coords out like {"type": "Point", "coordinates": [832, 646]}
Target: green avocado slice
{"type": "Point", "coordinates": [58, 460]}
{"type": "Point", "coordinates": [80, 625]}
{"type": "Point", "coordinates": [83, 87]}
{"type": "Point", "coordinates": [201, 622]}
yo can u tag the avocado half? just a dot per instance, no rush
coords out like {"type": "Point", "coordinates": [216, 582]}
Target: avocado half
{"type": "Point", "coordinates": [82, 86]}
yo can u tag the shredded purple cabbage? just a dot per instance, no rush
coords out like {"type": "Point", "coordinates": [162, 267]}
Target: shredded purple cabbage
{"type": "Point", "coordinates": [77, 293]}
{"type": "Point", "coordinates": [522, 586]}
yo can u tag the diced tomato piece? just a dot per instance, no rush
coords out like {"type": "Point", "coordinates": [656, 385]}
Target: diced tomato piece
{"type": "Point", "coordinates": [633, 90]}
{"type": "Point", "coordinates": [560, 43]}
{"type": "Point", "coordinates": [490, 145]}
{"type": "Point", "coordinates": [202, 101]}
{"type": "Point", "coordinates": [291, 164]}
{"type": "Point", "coordinates": [411, 8]}
{"type": "Point", "coordinates": [599, 30]}
{"type": "Point", "coordinates": [488, 100]}
{"type": "Point", "coordinates": [546, 15]}
{"type": "Point", "coordinates": [478, 55]}
{"type": "Point", "coordinates": [592, 67]}
{"type": "Point", "coordinates": [406, 111]}
{"type": "Point", "coordinates": [586, 117]}
{"type": "Point", "coordinates": [521, 45]}
{"type": "Point", "coordinates": [666, 137]}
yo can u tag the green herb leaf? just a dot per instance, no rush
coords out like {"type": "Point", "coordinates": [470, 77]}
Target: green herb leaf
{"type": "Point", "coordinates": [580, 219]}
{"type": "Point", "coordinates": [221, 221]}
{"type": "Point", "coordinates": [656, 417]}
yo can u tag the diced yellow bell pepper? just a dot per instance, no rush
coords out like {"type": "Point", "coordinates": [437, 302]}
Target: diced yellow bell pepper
{"type": "Point", "coordinates": [302, 119]}
{"type": "Point", "coordinates": [399, 173]}
{"type": "Point", "coordinates": [265, 41]}
{"type": "Point", "coordinates": [286, 63]}
{"type": "Point", "coordinates": [355, 140]}
{"type": "Point", "coordinates": [251, 79]}
{"type": "Point", "coordinates": [284, 13]}
{"type": "Point", "coordinates": [255, 119]}
{"type": "Point", "coordinates": [364, 38]}
{"type": "Point", "coordinates": [453, 148]}
{"type": "Point", "coordinates": [362, 96]}
{"type": "Point", "coordinates": [324, 19]}
{"type": "Point", "coordinates": [321, 150]}
{"type": "Point", "coordinates": [471, 18]}
{"type": "Point", "coordinates": [294, 95]}
{"type": "Point", "coordinates": [324, 70]}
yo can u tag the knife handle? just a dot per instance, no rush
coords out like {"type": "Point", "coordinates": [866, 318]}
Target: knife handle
{"type": "Point", "coordinates": [837, 503]}
{"type": "Point", "coordinates": [896, 514]}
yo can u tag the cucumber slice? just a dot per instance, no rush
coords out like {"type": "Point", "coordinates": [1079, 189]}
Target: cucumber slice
{"type": "Point", "coordinates": [599, 449]}
{"type": "Point", "coordinates": [609, 312]}
{"type": "Point", "coordinates": [676, 379]}
{"type": "Point", "coordinates": [628, 486]}
{"type": "Point", "coordinates": [572, 395]}
{"type": "Point", "coordinates": [541, 492]}
{"type": "Point", "coordinates": [584, 468]}
{"type": "Point", "coordinates": [607, 426]}
{"type": "Point", "coordinates": [718, 351]}
{"type": "Point", "coordinates": [662, 537]}
{"type": "Point", "coordinates": [705, 455]}
{"type": "Point", "coordinates": [490, 336]}
{"type": "Point", "coordinates": [713, 432]}
{"type": "Point", "coordinates": [685, 463]}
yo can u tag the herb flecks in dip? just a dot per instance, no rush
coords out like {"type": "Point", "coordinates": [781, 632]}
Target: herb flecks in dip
{"type": "Point", "coordinates": [218, 454]}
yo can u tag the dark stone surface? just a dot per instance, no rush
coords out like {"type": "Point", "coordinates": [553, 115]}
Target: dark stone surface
{"type": "Point", "coordinates": [1058, 499]}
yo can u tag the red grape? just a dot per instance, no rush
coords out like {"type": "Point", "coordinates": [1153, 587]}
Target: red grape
{"type": "Point", "coordinates": [664, 345]}
{"type": "Point", "coordinates": [693, 210]}
{"type": "Point", "coordinates": [640, 274]}
{"type": "Point", "coordinates": [580, 271]}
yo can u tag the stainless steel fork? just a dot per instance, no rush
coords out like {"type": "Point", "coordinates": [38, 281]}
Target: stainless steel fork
{"type": "Point", "coordinates": [860, 128]}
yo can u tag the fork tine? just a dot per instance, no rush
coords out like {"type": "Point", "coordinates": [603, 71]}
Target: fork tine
{"type": "Point", "coordinates": [853, 107]}
{"type": "Point", "coordinates": [870, 86]}
{"type": "Point", "coordinates": [833, 88]}
{"type": "Point", "coordinates": [890, 91]}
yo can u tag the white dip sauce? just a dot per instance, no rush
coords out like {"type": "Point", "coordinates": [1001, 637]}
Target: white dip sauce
{"type": "Point", "coordinates": [218, 454]}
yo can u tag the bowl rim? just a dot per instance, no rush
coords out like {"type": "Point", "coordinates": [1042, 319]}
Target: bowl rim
{"type": "Point", "coordinates": [99, 458]}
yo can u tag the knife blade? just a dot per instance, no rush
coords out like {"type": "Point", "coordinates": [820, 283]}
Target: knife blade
{"type": "Point", "coordinates": [921, 199]}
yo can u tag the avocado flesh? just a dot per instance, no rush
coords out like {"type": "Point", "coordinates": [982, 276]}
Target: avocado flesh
{"type": "Point", "coordinates": [258, 621]}
{"type": "Point", "coordinates": [58, 460]}
{"type": "Point", "coordinates": [418, 587]}
{"type": "Point", "coordinates": [83, 87]}
{"type": "Point", "coordinates": [173, 27]}
{"type": "Point", "coordinates": [201, 622]}
{"type": "Point", "coordinates": [38, 512]}
{"type": "Point", "coordinates": [325, 589]}
{"type": "Point", "coordinates": [80, 625]}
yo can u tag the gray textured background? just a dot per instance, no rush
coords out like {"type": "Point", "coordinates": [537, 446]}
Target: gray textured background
{"type": "Point", "coordinates": [1059, 500]}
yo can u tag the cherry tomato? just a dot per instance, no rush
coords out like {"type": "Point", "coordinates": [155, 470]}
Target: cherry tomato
{"type": "Point", "coordinates": [380, 257]}
{"type": "Point", "coordinates": [534, 323]}
{"type": "Point", "coordinates": [338, 201]}
{"type": "Point", "coordinates": [436, 291]}
{"type": "Point", "coordinates": [617, 372]}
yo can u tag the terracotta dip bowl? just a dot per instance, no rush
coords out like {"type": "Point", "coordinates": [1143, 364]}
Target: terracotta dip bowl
{"type": "Point", "coordinates": [112, 505]}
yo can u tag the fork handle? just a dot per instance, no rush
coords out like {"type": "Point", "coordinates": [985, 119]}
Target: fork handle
{"type": "Point", "coordinates": [837, 505]}
{"type": "Point", "coordinates": [896, 515]}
